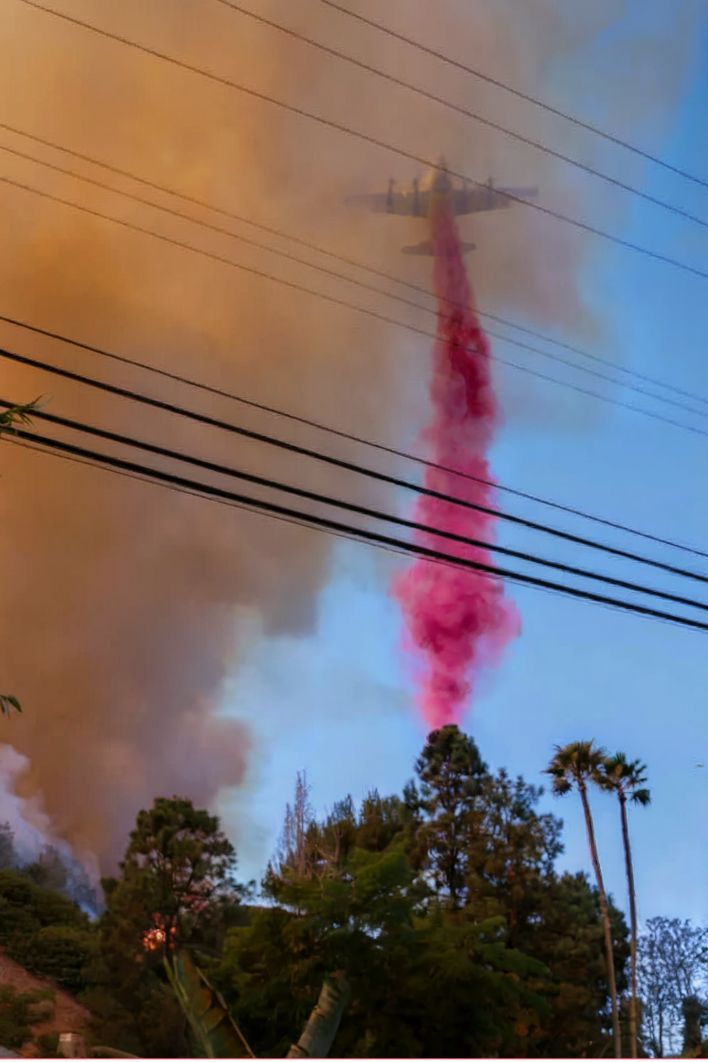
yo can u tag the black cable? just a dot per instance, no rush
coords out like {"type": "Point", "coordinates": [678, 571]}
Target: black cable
{"type": "Point", "coordinates": [353, 507]}
{"type": "Point", "coordinates": [180, 490]}
{"type": "Point", "coordinates": [207, 489]}
{"type": "Point", "coordinates": [366, 138]}
{"type": "Point", "coordinates": [281, 234]}
{"type": "Point", "coordinates": [374, 314]}
{"type": "Point", "coordinates": [348, 466]}
{"type": "Point", "coordinates": [517, 92]}
{"type": "Point", "coordinates": [418, 90]}
{"type": "Point", "coordinates": [175, 377]}
{"type": "Point", "coordinates": [353, 536]}
{"type": "Point", "coordinates": [353, 280]}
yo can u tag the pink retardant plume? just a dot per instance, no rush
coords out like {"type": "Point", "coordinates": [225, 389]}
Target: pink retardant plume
{"type": "Point", "coordinates": [458, 620]}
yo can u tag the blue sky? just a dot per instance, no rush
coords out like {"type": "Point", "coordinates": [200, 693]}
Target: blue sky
{"type": "Point", "coordinates": [341, 702]}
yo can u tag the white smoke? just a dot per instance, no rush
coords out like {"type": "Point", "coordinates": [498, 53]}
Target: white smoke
{"type": "Point", "coordinates": [33, 834]}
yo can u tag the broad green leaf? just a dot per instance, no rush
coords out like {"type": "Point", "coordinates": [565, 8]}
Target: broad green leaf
{"type": "Point", "coordinates": [216, 1033]}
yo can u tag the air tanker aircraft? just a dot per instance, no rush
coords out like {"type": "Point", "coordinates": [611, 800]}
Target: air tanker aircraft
{"type": "Point", "coordinates": [440, 191]}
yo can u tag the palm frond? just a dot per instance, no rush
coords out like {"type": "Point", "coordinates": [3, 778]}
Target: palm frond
{"type": "Point", "coordinates": [9, 704]}
{"type": "Point", "coordinates": [626, 777]}
{"type": "Point", "coordinates": [17, 415]}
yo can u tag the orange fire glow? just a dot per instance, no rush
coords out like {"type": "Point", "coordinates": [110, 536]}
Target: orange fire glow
{"type": "Point", "coordinates": [156, 937]}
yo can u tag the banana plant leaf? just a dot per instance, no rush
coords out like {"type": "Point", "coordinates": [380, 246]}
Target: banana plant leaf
{"type": "Point", "coordinates": [216, 1033]}
{"type": "Point", "coordinates": [322, 1025]}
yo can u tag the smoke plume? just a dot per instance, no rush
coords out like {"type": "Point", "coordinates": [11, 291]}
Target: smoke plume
{"type": "Point", "coordinates": [125, 606]}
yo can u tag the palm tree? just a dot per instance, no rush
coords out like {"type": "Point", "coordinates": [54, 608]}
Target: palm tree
{"type": "Point", "coordinates": [627, 778]}
{"type": "Point", "coordinates": [575, 766]}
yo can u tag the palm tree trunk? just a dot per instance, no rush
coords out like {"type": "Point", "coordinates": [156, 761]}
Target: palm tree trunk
{"type": "Point", "coordinates": [605, 913]}
{"type": "Point", "coordinates": [322, 1025]}
{"type": "Point", "coordinates": [633, 926]}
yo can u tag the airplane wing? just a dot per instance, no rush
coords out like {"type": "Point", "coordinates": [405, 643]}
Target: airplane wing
{"type": "Point", "coordinates": [406, 203]}
{"type": "Point", "coordinates": [488, 197]}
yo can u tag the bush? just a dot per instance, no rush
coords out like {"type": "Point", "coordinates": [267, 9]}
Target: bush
{"type": "Point", "coordinates": [26, 905]}
{"type": "Point", "coordinates": [16, 1014]}
{"type": "Point", "coordinates": [59, 952]}
{"type": "Point", "coordinates": [48, 1045]}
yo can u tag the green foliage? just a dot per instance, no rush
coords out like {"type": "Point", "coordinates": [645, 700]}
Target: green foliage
{"type": "Point", "coordinates": [43, 931]}
{"type": "Point", "coordinates": [176, 887]}
{"type": "Point", "coordinates": [575, 765]}
{"type": "Point", "coordinates": [427, 977]}
{"type": "Point", "coordinates": [215, 1032]}
{"type": "Point", "coordinates": [59, 952]}
{"type": "Point", "coordinates": [179, 866]}
{"type": "Point", "coordinates": [451, 774]}
{"type": "Point", "coordinates": [48, 1045]}
{"type": "Point", "coordinates": [440, 910]}
{"type": "Point", "coordinates": [9, 704]}
{"type": "Point", "coordinates": [695, 1017]}
{"type": "Point", "coordinates": [18, 1012]}
{"type": "Point", "coordinates": [8, 855]}
{"type": "Point", "coordinates": [49, 870]}
{"type": "Point", "coordinates": [25, 908]}
{"type": "Point", "coordinates": [625, 777]}
{"type": "Point", "coordinates": [566, 934]}
{"type": "Point", "coordinates": [16, 415]}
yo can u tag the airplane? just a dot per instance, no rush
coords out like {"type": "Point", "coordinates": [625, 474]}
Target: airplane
{"type": "Point", "coordinates": [420, 202]}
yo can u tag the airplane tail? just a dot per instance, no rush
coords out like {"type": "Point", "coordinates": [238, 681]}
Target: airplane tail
{"type": "Point", "coordinates": [426, 247]}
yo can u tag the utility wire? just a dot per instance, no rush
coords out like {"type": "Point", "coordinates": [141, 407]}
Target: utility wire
{"type": "Point", "coordinates": [431, 532]}
{"type": "Point", "coordinates": [418, 90]}
{"type": "Point", "coordinates": [352, 536]}
{"type": "Point", "coordinates": [334, 300]}
{"type": "Point", "coordinates": [367, 138]}
{"type": "Point", "coordinates": [517, 92]}
{"type": "Point", "coordinates": [348, 466]}
{"type": "Point", "coordinates": [362, 534]}
{"type": "Point", "coordinates": [7, 438]}
{"type": "Point", "coordinates": [172, 212]}
{"type": "Point", "coordinates": [359, 440]}
{"type": "Point", "coordinates": [281, 234]}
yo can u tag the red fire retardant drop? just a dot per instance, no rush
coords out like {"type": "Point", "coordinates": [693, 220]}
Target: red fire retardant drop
{"type": "Point", "coordinates": [458, 620]}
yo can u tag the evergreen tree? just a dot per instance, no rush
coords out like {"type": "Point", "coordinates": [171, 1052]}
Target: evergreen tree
{"type": "Point", "coordinates": [176, 887]}
{"type": "Point", "coordinates": [451, 775]}
{"type": "Point", "coordinates": [8, 855]}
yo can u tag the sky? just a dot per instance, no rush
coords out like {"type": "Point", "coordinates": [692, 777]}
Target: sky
{"type": "Point", "coordinates": [192, 649]}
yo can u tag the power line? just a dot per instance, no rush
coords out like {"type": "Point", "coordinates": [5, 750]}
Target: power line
{"type": "Point", "coordinates": [348, 466]}
{"type": "Point", "coordinates": [518, 93]}
{"type": "Point", "coordinates": [360, 440]}
{"type": "Point", "coordinates": [352, 536]}
{"type": "Point", "coordinates": [189, 493]}
{"type": "Point", "coordinates": [334, 300]}
{"type": "Point", "coordinates": [352, 507]}
{"type": "Point", "coordinates": [434, 98]}
{"type": "Point", "coordinates": [271, 230]}
{"type": "Point", "coordinates": [367, 138]}
{"type": "Point", "coordinates": [352, 280]}
{"type": "Point", "coordinates": [418, 550]}
{"type": "Point", "coordinates": [428, 530]}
